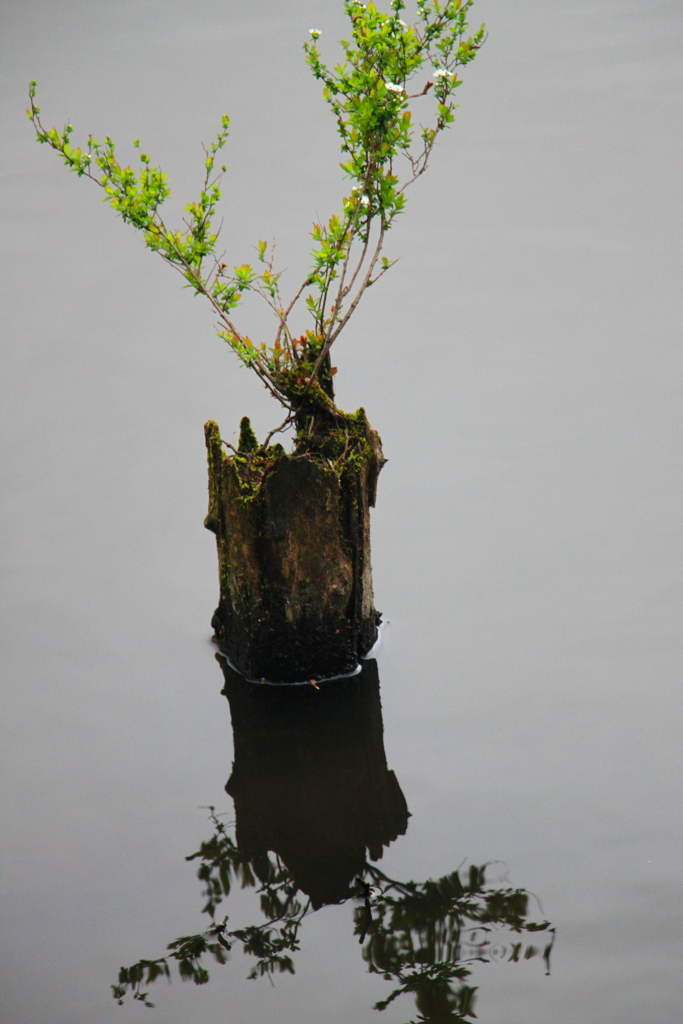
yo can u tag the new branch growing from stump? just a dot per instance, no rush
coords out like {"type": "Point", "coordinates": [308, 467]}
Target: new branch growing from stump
{"type": "Point", "coordinates": [390, 71]}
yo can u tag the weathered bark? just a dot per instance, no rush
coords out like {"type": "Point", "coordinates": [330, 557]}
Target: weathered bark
{"type": "Point", "coordinates": [293, 538]}
{"type": "Point", "coordinates": [310, 779]}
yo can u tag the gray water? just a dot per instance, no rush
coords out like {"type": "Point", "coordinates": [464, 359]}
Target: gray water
{"type": "Point", "coordinates": [522, 363]}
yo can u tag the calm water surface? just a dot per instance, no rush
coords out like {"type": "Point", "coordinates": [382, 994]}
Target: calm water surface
{"type": "Point", "coordinates": [523, 366]}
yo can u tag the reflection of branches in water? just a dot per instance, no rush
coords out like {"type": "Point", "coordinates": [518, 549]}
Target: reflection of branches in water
{"type": "Point", "coordinates": [222, 864]}
{"type": "Point", "coordinates": [421, 936]}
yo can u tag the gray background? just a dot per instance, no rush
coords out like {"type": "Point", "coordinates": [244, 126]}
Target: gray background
{"type": "Point", "coordinates": [522, 363]}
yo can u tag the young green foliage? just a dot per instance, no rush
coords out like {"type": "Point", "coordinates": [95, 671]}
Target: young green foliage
{"type": "Point", "coordinates": [370, 98]}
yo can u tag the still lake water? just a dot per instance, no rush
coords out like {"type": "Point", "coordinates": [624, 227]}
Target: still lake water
{"type": "Point", "coordinates": [523, 366]}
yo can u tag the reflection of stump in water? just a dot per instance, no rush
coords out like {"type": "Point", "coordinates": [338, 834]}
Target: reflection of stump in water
{"type": "Point", "coordinates": [311, 785]}
{"type": "Point", "coordinates": [310, 780]}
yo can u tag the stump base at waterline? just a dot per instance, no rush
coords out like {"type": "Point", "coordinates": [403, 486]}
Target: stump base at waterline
{"type": "Point", "coordinates": [293, 538]}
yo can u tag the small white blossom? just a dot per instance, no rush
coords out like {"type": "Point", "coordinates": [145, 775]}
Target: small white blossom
{"type": "Point", "coordinates": [402, 23]}
{"type": "Point", "coordinates": [365, 201]}
{"type": "Point", "coordinates": [393, 87]}
{"type": "Point", "coordinates": [441, 73]}
{"type": "Point", "coordinates": [315, 32]}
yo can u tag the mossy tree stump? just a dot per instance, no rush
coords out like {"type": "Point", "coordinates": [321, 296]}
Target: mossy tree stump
{"type": "Point", "coordinates": [293, 539]}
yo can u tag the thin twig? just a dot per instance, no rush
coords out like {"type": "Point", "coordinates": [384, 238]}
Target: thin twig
{"type": "Point", "coordinates": [289, 418]}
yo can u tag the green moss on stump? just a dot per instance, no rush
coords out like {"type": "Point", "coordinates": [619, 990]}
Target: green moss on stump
{"type": "Point", "coordinates": [293, 538]}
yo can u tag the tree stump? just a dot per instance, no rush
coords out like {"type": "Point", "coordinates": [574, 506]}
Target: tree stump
{"type": "Point", "coordinates": [293, 539]}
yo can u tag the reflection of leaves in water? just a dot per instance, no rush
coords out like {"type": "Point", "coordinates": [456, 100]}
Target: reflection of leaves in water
{"type": "Point", "coordinates": [222, 864]}
{"type": "Point", "coordinates": [315, 807]}
{"type": "Point", "coordinates": [422, 936]}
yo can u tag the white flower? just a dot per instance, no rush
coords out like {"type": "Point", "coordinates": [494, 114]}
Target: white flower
{"type": "Point", "coordinates": [315, 32]}
{"type": "Point", "coordinates": [393, 87]}
{"type": "Point", "coordinates": [365, 201]}
{"type": "Point", "coordinates": [441, 73]}
{"type": "Point", "coordinates": [402, 23]}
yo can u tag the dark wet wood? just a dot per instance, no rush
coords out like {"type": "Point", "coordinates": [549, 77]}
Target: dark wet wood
{"type": "Point", "coordinates": [293, 539]}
